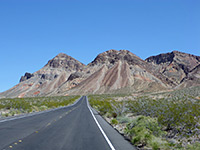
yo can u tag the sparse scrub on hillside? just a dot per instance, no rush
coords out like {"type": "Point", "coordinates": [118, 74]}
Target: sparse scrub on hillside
{"type": "Point", "coordinates": [15, 106]}
{"type": "Point", "coordinates": [167, 123]}
{"type": "Point", "coordinates": [179, 116]}
{"type": "Point", "coordinates": [119, 107]}
{"type": "Point", "coordinates": [145, 132]}
{"type": "Point", "coordinates": [189, 92]}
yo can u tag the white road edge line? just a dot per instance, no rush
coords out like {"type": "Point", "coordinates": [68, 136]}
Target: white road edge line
{"type": "Point", "coordinates": [105, 136]}
{"type": "Point", "coordinates": [37, 113]}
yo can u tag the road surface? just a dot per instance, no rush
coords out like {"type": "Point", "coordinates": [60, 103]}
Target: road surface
{"type": "Point", "coordinates": [74, 127]}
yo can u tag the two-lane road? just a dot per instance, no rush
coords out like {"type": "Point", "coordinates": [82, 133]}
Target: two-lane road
{"type": "Point", "coordinates": [69, 128]}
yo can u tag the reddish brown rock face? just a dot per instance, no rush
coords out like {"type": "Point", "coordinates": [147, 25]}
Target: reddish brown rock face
{"type": "Point", "coordinates": [117, 77]}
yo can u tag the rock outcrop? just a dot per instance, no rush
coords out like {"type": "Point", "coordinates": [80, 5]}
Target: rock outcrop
{"type": "Point", "coordinates": [26, 77]}
{"type": "Point", "coordinates": [66, 62]}
{"type": "Point", "coordinates": [74, 75]}
{"type": "Point", "coordinates": [175, 65]}
{"type": "Point", "coordinates": [192, 78]}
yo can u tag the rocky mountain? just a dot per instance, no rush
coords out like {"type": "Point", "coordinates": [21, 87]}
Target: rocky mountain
{"type": "Point", "coordinates": [112, 71]}
{"type": "Point", "coordinates": [192, 78]}
{"type": "Point", "coordinates": [65, 62]}
{"type": "Point", "coordinates": [47, 79]}
{"type": "Point", "coordinates": [176, 66]}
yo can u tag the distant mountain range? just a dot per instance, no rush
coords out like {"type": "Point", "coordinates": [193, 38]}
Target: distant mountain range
{"type": "Point", "coordinates": [110, 72]}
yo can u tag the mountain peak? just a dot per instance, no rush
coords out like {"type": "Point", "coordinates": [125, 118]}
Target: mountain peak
{"type": "Point", "coordinates": [62, 55]}
{"type": "Point", "coordinates": [113, 56]}
{"type": "Point", "coordinates": [171, 56]}
{"type": "Point", "coordinates": [175, 65]}
{"type": "Point", "coordinates": [182, 54]}
{"type": "Point", "coordinates": [116, 52]}
{"type": "Point", "coordinates": [110, 51]}
{"type": "Point", "coordinates": [63, 60]}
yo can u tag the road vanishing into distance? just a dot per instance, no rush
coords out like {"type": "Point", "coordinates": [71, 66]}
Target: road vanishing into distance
{"type": "Point", "coordinates": [75, 127]}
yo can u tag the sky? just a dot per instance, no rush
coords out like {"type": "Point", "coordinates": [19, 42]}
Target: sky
{"type": "Point", "coordinates": [34, 31]}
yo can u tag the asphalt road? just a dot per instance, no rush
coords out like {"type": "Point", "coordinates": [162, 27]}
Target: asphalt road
{"type": "Point", "coordinates": [69, 128]}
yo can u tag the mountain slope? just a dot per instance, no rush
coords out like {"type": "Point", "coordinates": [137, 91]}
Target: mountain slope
{"type": "Point", "coordinates": [45, 80]}
{"type": "Point", "coordinates": [192, 78]}
{"type": "Point", "coordinates": [176, 65]}
{"type": "Point", "coordinates": [112, 71]}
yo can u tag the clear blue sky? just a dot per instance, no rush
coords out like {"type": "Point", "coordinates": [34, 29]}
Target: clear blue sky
{"type": "Point", "coordinates": [34, 31]}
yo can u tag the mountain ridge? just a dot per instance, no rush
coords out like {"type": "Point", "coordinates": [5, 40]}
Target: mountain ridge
{"type": "Point", "coordinates": [175, 65]}
{"type": "Point", "coordinates": [111, 71]}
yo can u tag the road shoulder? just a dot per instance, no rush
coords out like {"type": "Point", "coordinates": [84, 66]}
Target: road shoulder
{"type": "Point", "coordinates": [116, 139]}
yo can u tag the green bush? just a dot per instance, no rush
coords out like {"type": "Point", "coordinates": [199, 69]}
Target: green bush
{"type": "Point", "coordinates": [103, 106]}
{"type": "Point", "coordinates": [145, 131]}
{"type": "Point", "coordinates": [177, 115]}
{"type": "Point", "coordinates": [181, 116]}
{"type": "Point", "coordinates": [114, 121]}
{"type": "Point", "coordinates": [123, 119]}
{"type": "Point", "coordinates": [195, 146]}
{"type": "Point", "coordinates": [16, 106]}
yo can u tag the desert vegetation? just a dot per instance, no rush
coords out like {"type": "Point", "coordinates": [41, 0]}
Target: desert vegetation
{"type": "Point", "coordinates": [172, 122]}
{"type": "Point", "coordinates": [16, 106]}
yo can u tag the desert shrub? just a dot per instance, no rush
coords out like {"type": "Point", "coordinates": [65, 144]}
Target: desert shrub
{"type": "Point", "coordinates": [145, 131]}
{"type": "Point", "coordinates": [114, 121]}
{"type": "Point", "coordinates": [26, 105]}
{"type": "Point", "coordinates": [123, 119]}
{"type": "Point", "coordinates": [35, 109]}
{"type": "Point", "coordinates": [178, 114]}
{"type": "Point", "coordinates": [181, 116]}
{"type": "Point", "coordinates": [42, 108]}
{"type": "Point", "coordinates": [103, 106]}
{"type": "Point", "coordinates": [195, 146]}
{"type": "Point", "coordinates": [119, 108]}
{"type": "Point", "coordinates": [5, 115]}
